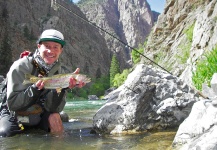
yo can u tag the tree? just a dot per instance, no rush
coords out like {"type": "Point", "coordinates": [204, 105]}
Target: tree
{"type": "Point", "coordinates": [26, 32]}
{"type": "Point", "coordinates": [86, 68]}
{"type": "Point", "coordinates": [98, 73]}
{"type": "Point", "coordinates": [6, 56]}
{"type": "Point", "coordinates": [4, 12]}
{"type": "Point", "coordinates": [114, 69]}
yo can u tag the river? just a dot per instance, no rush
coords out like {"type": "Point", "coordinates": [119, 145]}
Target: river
{"type": "Point", "coordinates": [77, 135]}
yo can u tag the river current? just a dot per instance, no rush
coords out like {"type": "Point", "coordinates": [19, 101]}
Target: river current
{"type": "Point", "coordinates": [77, 135]}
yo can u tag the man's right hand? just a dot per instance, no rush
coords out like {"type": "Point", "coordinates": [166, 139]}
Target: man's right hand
{"type": "Point", "coordinates": [39, 84]}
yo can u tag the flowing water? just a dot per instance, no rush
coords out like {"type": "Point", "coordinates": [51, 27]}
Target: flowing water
{"type": "Point", "coordinates": [77, 135]}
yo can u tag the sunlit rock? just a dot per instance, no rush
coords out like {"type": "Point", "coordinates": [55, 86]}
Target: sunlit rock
{"type": "Point", "coordinates": [64, 116]}
{"type": "Point", "coordinates": [149, 99]}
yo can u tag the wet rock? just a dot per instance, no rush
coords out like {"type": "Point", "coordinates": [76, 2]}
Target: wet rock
{"type": "Point", "coordinates": [64, 116]}
{"type": "Point", "coordinates": [92, 97]}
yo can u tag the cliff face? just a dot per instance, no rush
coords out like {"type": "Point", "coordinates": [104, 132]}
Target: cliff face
{"type": "Point", "coordinates": [129, 21]}
{"type": "Point", "coordinates": [23, 22]}
{"type": "Point", "coordinates": [171, 43]}
{"type": "Point", "coordinates": [88, 47]}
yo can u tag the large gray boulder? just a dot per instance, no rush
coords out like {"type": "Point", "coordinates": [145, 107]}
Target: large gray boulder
{"type": "Point", "coordinates": [149, 99]}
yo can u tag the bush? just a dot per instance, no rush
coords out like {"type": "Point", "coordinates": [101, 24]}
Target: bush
{"type": "Point", "coordinates": [136, 56]}
{"type": "Point", "coordinates": [78, 92]}
{"type": "Point", "coordinates": [205, 69]}
{"type": "Point", "coordinates": [185, 47]}
{"type": "Point", "coordinates": [99, 86]}
{"type": "Point", "coordinates": [189, 32]}
{"type": "Point", "coordinates": [120, 78]}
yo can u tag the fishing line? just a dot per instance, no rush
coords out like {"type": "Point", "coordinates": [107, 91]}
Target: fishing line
{"type": "Point", "coordinates": [55, 5]}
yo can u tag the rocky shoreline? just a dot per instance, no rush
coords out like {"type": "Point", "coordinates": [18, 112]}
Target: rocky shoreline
{"type": "Point", "coordinates": [151, 99]}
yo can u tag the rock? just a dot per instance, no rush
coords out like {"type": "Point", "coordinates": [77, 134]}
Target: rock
{"type": "Point", "coordinates": [207, 91]}
{"type": "Point", "coordinates": [1, 78]}
{"type": "Point", "coordinates": [213, 83]}
{"type": "Point", "coordinates": [92, 97]}
{"type": "Point", "coordinates": [64, 116]}
{"type": "Point", "coordinates": [129, 21]}
{"type": "Point", "coordinates": [199, 129]}
{"type": "Point", "coordinates": [149, 99]}
{"type": "Point", "coordinates": [109, 90]}
{"type": "Point", "coordinates": [33, 21]}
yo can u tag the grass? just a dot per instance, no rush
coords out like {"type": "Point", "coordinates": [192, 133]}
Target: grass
{"type": "Point", "coordinates": [205, 69]}
{"type": "Point", "coordinates": [185, 52]}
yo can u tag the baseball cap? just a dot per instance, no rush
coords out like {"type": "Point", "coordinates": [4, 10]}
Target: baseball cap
{"type": "Point", "coordinates": [52, 35]}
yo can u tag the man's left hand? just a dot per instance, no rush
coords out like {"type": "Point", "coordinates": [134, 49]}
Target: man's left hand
{"type": "Point", "coordinates": [73, 82]}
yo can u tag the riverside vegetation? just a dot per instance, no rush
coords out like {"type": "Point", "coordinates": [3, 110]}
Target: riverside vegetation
{"type": "Point", "coordinates": [205, 69]}
{"type": "Point", "coordinates": [101, 84]}
{"type": "Point", "coordinates": [203, 73]}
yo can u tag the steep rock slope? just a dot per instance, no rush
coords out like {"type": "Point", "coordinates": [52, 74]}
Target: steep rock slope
{"type": "Point", "coordinates": [170, 45]}
{"type": "Point", "coordinates": [23, 22]}
{"type": "Point", "coordinates": [129, 21]}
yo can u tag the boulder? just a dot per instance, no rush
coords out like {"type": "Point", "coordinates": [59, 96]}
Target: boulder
{"type": "Point", "coordinates": [92, 97]}
{"type": "Point", "coordinates": [213, 83]}
{"type": "Point", "coordinates": [64, 116]}
{"type": "Point", "coordinates": [198, 131]}
{"type": "Point", "coordinates": [109, 91]}
{"type": "Point", "coordinates": [149, 99]}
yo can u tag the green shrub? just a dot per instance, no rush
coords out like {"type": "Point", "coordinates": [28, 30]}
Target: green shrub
{"type": "Point", "coordinates": [205, 69]}
{"type": "Point", "coordinates": [96, 87]}
{"type": "Point", "coordinates": [99, 86]}
{"type": "Point", "coordinates": [185, 52]}
{"type": "Point", "coordinates": [185, 47]}
{"type": "Point", "coordinates": [159, 57]}
{"type": "Point", "coordinates": [77, 93]}
{"type": "Point", "coordinates": [136, 56]}
{"type": "Point", "coordinates": [69, 95]}
{"type": "Point", "coordinates": [120, 78]}
{"type": "Point", "coordinates": [189, 32]}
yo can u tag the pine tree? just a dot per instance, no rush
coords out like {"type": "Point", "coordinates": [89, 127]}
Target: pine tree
{"type": "Point", "coordinates": [6, 56]}
{"type": "Point", "coordinates": [98, 73]}
{"type": "Point", "coordinates": [114, 69]}
{"type": "Point", "coordinates": [5, 47]}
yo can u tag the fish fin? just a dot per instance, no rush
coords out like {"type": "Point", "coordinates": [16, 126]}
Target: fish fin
{"type": "Point", "coordinates": [58, 90]}
{"type": "Point", "coordinates": [27, 78]}
{"type": "Point", "coordinates": [26, 82]}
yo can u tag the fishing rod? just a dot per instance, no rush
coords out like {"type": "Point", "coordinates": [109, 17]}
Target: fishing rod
{"type": "Point", "coordinates": [55, 5]}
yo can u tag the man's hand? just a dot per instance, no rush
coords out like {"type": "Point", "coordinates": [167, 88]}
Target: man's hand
{"type": "Point", "coordinates": [39, 84]}
{"type": "Point", "coordinates": [73, 82]}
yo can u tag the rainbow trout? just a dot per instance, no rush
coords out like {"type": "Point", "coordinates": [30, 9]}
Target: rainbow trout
{"type": "Point", "coordinates": [58, 81]}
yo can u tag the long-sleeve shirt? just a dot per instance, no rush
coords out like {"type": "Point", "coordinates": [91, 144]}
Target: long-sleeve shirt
{"type": "Point", "coordinates": [21, 97]}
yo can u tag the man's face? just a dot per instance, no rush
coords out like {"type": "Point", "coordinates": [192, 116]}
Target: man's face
{"type": "Point", "coordinates": [50, 51]}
